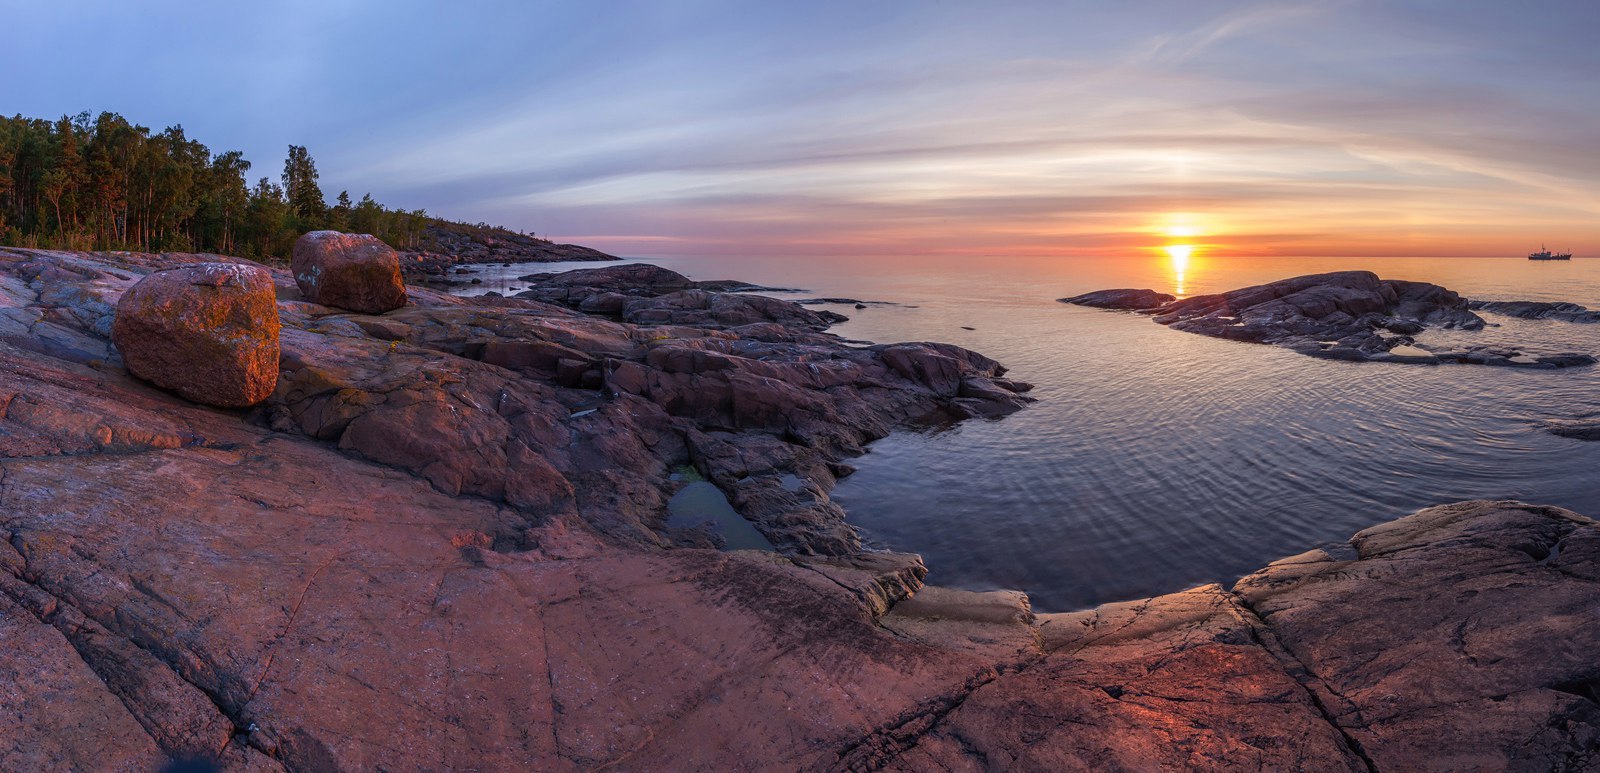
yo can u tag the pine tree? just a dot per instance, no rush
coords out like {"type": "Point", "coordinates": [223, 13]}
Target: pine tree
{"type": "Point", "coordinates": [339, 217]}
{"type": "Point", "coordinates": [301, 190]}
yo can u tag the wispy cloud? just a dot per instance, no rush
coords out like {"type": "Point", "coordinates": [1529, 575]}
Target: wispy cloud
{"type": "Point", "coordinates": [1181, 47]}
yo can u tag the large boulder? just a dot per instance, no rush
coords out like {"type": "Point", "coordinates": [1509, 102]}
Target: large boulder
{"type": "Point", "coordinates": [348, 271]}
{"type": "Point", "coordinates": [208, 332]}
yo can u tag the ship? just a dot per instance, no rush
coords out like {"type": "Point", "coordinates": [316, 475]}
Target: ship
{"type": "Point", "coordinates": [1545, 254]}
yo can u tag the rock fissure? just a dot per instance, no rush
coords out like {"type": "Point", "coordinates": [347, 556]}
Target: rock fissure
{"type": "Point", "coordinates": [294, 614]}
{"type": "Point", "coordinates": [121, 677]}
{"type": "Point", "coordinates": [1314, 687]}
{"type": "Point", "coordinates": [880, 747]}
{"type": "Point", "coordinates": [134, 709]}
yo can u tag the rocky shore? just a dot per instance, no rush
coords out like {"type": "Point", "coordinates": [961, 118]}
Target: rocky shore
{"type": "Point", "coordinates": [442, 541]}
{"type": "Point", "coordinates": [1345, 315]}
{"type": "Point", "coordinates": [449, 246]}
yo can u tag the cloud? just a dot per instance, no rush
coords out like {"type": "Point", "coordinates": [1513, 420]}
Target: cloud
{"type": "Point", "coordinates": [879, 127]}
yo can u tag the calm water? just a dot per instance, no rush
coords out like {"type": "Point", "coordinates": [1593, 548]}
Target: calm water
{"type": "Point", "coordinates": [1156, 460]}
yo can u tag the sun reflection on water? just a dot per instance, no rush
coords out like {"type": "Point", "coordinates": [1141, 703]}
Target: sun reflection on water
{"type": "Point", "coordinates": [1178, 255]}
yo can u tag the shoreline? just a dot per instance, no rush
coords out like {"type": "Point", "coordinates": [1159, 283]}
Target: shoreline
{"type": "Point", "coordinates": [441, 543]}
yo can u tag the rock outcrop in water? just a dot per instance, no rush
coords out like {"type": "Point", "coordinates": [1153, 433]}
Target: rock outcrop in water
{"type": "Point", "coordinates": [641, 293]}
{"type": "Point", "coordinates": [446, 245]}
{"type": "Point", "coordinates": [442, 544]}
{"type": "Point", "coordinates": [1127, 299]}
{"type": "Point", "coordinates": [1345, 315]}
{"type": "Point", "coordinates": [1565, 312]}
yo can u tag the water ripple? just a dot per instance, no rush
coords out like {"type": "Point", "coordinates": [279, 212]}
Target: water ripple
{"type": "Point", "coordinates": [1156, 459]}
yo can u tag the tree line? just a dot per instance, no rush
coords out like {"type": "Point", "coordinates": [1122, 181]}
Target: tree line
{"type": "Point", "coordinates": [108, 184]}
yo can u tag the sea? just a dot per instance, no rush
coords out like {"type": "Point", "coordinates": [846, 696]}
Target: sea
{"type": "Point", "coordinates": [1156, 460]}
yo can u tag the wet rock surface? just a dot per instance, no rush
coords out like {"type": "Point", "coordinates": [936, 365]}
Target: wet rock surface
{"type": "Point", "coordinates": [1345, 315]}
{"type": "Point", "coordinates": [208, 332]}
{"type": "Point", "coordinates": [442, 543]}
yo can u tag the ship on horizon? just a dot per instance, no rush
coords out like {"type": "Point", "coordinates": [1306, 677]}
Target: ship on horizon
{"type": "Point", "coordinates": [1545, 254]}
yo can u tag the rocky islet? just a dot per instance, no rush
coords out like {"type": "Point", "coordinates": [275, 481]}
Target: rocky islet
{"type": "Point", "coordinates": [1344, 315]}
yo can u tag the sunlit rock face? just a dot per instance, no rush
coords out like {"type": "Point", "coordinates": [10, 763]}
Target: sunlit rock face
{"type": "Point", "coordinates": [208, 332]}
{"type": "Point", "coordinates": [357, 272]}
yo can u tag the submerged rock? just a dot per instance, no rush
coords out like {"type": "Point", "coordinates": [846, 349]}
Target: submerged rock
{"type": "Point", "coordinates": [348, 271]}
{"type": "Point", "coordinates": [1122, 299]}
{"type": "Point", "coordinates": [208, 332]}
{"type": "Point", "coordinates": [1345, 315]}
{"type": "Point", "coordinates": [1577, 429]}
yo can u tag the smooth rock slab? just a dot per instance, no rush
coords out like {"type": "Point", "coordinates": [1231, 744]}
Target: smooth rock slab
{"type": "Point", "coordinates": [357, 272]}
{"type": "Point", "coordinates": [1565, 312]}
{"type": "Point", "coordinates": [1462, 637]}
{"type": "Point", "coordinates": [208, 332]}
{"type": "Point", "coordinates": [1122, 299]}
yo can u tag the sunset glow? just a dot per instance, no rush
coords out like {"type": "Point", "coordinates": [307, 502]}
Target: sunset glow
{"type": "Point", "coordinates": [829, 385]}
{"type": "Point", "coordinates": [903, 129]}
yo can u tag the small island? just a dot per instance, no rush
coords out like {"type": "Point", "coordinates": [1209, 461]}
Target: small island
{"type": "Point", "coordinates": [1347, 315]}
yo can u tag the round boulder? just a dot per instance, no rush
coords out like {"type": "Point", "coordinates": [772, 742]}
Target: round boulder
{"type": "Point", "coordinates": [357, 272]}
{"type": "Point", "coordinates": [208, 332]}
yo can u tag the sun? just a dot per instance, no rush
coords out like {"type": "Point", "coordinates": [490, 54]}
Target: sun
{"type": "Point", "coordinates": [1181, 225]}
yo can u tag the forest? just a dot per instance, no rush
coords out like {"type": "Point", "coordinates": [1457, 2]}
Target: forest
{"type": "Point", "coordinates": [104, 183]}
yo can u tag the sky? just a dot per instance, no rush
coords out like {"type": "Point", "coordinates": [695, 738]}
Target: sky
{"type": "Point", "coordinates": [887, 127]}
